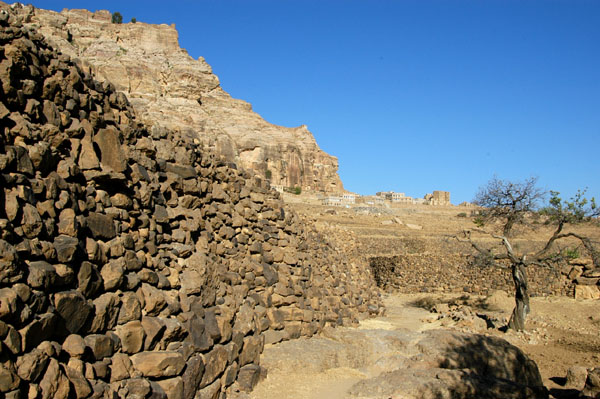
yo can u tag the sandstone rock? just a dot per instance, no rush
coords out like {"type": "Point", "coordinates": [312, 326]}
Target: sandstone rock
{"type": "Point", "coordinates": [67, 223]}
{"type": "Point", "coordinates": [31, 365]}
{"type": "Point", "coordinates": [273, 336]}
{"type": "Point", "coordinates": [9, 263]}
{"type": "Point", "coordinates": [38, 330]}
{"type": "Point", "coordinates": [54, 384]}
{"type": "Point", "coordinates": [11, 204]}
{"type": "Point", "coordinates": [12, 340]}
{"type": "Point", "coordinates": [87, 157]}
{"type": "Point", "coordinates": [154, 300]}
{"type": "Point", "coordinates": [112, 275]}
{"type": "Point", "coordinates": [192, 376]}
{"type": "Point", "coordinates": [137, 388]}
{"type": "Point", "coordinates": [31, 222]}
{"type": "Point", "coordinates": [130, 308]}
{"type": "Point", "coordinates": [88, 279]}
{"type": "Point", "coordinates": [154, 329]}
{"type": "Point", "coordinates": [106, 312]}
{"type": "Point", "coordinates": [132, 336]}
{"type": "Point", "coordinates": [8, 303]}
{"type": "Point", "coordinates": [173, 387]}
{"type": "Point", "coordinates": [73, 308]}
{"type": "Point", "coordinates": [41, 275]}
{"type": "Point", "coordinates": [215, 363]}
{"type": "Point", "coordinates": [209, 392]}
{"type": "Point", "coordinates": [101, 345]}
{"type": "Point", "coordinates": [244, 321]}
{"type": "Point", "coordinates": [121, 367]}
{"type": "Point", "coordinates": [111, 155]}
{"type": "Point", "coordinates": [74, 345]}
{"type": "Point", "coordinates": [9, 380]}
{"type": "Point", "coordinates": [66, 248]}
{"type": "Point", "coordinates": [248, 377]}
{"type": "Point", "coordinates": [592, 384]}
{"type": "Point", "coordinates": [587, 292]}
{"type": "Point", "coordinates": [576, 377]}
{"type": "Point", "coordinates": [74, 372]}
{"type": "Point", "coordinates": [253, 346]}
{"type": "Point", "coordinates": [158, 364]}
{"type": "Point", "coordinates": [101, 226]}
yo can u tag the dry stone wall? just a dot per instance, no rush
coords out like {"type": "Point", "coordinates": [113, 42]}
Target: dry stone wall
{"type": "Point", "coordinates": [456, 273]}
{"type": "Point", "coordinates": [133, 264]}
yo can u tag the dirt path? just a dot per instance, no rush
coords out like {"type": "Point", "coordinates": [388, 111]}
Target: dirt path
{"type": "Point", "coordinates": [563, 332]}
{"type": "Point", "coordinates": [329, 365]}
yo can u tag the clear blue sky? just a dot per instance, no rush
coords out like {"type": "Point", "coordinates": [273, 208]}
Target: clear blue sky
{"type": "Point", "coordinates": [411, 96]}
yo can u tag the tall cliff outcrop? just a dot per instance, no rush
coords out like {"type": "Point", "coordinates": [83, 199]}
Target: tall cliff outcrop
{"type": "Point", "coordinates": [168, 88]}
{"type": "Point", "coordinates": [133, 263]}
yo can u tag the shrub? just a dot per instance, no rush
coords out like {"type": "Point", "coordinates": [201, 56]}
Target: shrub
{"type": "Point", "coordinates": [133, 20]}
{"type": "Point", "coordinates": [117, 18]}
{"type": "Point", "coordinates": [297, 190]}
{"type": "Point", "coordinates": [462, 215]}
{"type": "Point", "coordinates": [268, 174]}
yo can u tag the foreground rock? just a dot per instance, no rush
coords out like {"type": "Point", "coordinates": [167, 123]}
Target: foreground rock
{"type": "Point", "coordinates": [398, 356]}
{"type": "Point", "coordinates": [132, 262]}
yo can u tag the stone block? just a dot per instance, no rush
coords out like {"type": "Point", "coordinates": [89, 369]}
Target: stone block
{"type": "Point", "coordinates": [587, 292]}
{"type": "Point", "coordinates": [158, 364]}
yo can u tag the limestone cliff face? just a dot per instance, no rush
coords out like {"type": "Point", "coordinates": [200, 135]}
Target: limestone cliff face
{"type": "Point", "coordinates": [169, 89]}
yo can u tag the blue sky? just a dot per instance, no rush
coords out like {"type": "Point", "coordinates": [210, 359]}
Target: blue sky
{"type": "Point", "coordinates": [411, 96]}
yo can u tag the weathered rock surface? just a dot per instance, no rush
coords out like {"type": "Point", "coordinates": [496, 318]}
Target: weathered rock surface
{"type": "Point", "coordinates": [133, 262]}
{"type": "Point", "coordinates": [397, 355]}
{"type": "Point", "coordinates": [169, 89]}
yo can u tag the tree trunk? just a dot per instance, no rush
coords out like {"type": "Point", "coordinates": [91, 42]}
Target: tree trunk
{"type": "Point", "coordinates": [507, 230]}
{"type": "Point", "coordinates": [521, 310]}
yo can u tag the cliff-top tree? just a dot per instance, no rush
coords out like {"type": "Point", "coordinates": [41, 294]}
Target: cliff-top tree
{"type": "Point", "coordinates": [117, 18]}
{"type": "Point", "coordinates": [515, 203]}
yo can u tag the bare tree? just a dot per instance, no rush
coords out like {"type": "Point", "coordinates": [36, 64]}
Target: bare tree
{"type": "Point", "coordinates": [508, 201]}
{"type": "Point", "coordinates": [511, 203]}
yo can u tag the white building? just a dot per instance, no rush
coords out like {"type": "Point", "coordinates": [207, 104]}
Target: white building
{"type": "Point", "coordinates": [332, 201]}
{"type": "Point", "coordinates": [349, 198]}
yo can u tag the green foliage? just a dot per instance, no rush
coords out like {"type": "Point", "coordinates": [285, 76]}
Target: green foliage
{"type": "Point", "coordinates": [117, 18]}
{"type": "Point", "coordinates": [479, 221]}
{"type": "Point", "coordinates": [462, 215]}
{"type": "Point", "coordinates": [133, 20]}
{"type": "Point", "coordinates": [293, 190]}
{"type": "Point", "coordinates": [571, 253]}
{"type": "Point", "coordinates": [578, 209]}
{"type": "Point", "coordinates": [268, 174]}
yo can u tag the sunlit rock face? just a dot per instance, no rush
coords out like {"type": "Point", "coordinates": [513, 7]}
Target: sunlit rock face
{"type": "Point", "coordinates": [170, 89]}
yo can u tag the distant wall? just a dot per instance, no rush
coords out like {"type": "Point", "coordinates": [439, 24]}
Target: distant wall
{"type": "Point", "coordinates": [453, 273]}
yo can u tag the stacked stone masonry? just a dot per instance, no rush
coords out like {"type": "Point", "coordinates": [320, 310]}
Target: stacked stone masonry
{"type": "Point", "coordinates": [457, 273]}
{"type": "Point", "coordinates": [132, 263]}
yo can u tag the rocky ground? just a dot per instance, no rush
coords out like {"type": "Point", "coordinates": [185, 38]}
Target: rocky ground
{"type": "Point", "coordinates": [563, 333]}
{"type": "Point", "coordinates": [347, 362]}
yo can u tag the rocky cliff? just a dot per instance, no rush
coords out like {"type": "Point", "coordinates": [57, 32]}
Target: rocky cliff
{"type": "Point", "coordinates": [170, 89]}
{"type": "Point", "coordinates": [133, 263]}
